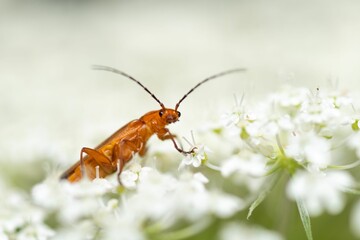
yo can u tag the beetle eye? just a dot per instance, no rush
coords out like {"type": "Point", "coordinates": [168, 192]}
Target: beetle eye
{"type": "Point", "coordinates": [178, 113]}
{"type": "Point", "coordinates": [161, 113]}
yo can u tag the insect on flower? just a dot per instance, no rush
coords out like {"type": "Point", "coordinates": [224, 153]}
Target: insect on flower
{"type": "Point", "coordinates": [112, 154]}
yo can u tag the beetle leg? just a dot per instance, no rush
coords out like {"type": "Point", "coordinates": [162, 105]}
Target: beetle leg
{"type": "Point", "coordinates": [143, 150]}
{"type": "Point", "coordinates": [123, 152]}
{"type": "Point", "coordinates": [101, 160]}
{"type": "Point", "coordinates": [166, 134]}
{"type": "Point", "coordinates": [119, 161]}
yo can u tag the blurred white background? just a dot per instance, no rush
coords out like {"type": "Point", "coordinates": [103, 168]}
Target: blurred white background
{"type": "Point", "coordinates": [51, 102]}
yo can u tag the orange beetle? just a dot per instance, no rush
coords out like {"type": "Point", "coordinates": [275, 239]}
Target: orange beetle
{"type": "Point", "coordinates": [112, 154]}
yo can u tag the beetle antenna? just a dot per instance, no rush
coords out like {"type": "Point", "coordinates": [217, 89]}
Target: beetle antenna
{"type": "Point", "coordinates": [114, 70]}
{"type": "Point", "coordinates": [208, 79]}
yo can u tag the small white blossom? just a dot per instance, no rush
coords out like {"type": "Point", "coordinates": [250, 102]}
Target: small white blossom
{"type": "Point", "coordinates": [196, 158]}
{"type": "Point", "coordinates": [82, 230]}
{"type": "Point", "coordinates": [224, 205]}
{"type": "Point", "coordinates": [201, 201]}
{"type": "Point", "coordinates": [293, 97]}
{"type": "Point", "coordinates": [43, 194]}
{"type": "Point", "coordinates": [252, 165]}
{"type": "Point", "coordinates": [133, 174]}
{"type": "Point", "coordinates": [233, 118]}
{"type": "Point", "coordinates": [86, 188]}
{"type": "Point", "coordinates": [155, 188]}
{"type": "Point", "coordinates": [35, 232]}
{"type": "Point", "coordinates": [320, 191]}
{"type": "Point", "coordinates": [76, 201]}
{"type": "Point", "coordinates": [309, 149]}
{"type": "Point", "coordinates": [145, 173]}
{"type": "Point", "coordinates": [238, 119]}
{"type": "Point", "coordinates": [20, 219]}
{"type": "Point", "coordinates": [128, 178]}
{"type": "Point", "coordinates": [247, 169]}
{"type": "Point", "coordinates": [122, 230]}
{"type": "Point", "coordinates": [318, 111]}
{"type": "Point", "coordinates": [339, 98]}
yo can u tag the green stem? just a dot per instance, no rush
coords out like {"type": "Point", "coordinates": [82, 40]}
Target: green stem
{"type": "Point", "coordinates": [213, 167]}
{"type": "Point", "coordinates": [280, 145]}
{"type": "Point", "coordinates": [345, 167]}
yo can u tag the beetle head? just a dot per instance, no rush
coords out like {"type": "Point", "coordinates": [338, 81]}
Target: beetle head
{"type": "Point", "coordinates": [169, 115]}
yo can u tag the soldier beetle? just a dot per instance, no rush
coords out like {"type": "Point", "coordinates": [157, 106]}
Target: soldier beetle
{"type": "Point", "coordinates": [112, 154]}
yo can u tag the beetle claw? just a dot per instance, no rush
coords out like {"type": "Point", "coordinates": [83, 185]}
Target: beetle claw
{"type": "Point", "coordinates": [189, 152]}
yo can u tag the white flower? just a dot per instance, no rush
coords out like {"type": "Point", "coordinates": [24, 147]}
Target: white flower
{"type": "Point", "coordinates": [86, 188]}
{"type": "Point", "coordinates": [318, 111]}
{"type": "Point", "coordinates": [252, 165]}
{"type": "Point", "coordinates": [128, 179]}
{"type": "Point", "coordinates": [152, 199]}
{"type": "Point", "coordinates": [246, 169]}
{"type": "Point", "coordinates": [169, 199]}
{"type": "Point", "coordinates": [224, 205]}
{"type": "Point", "coordinates": [233, 118]}
{"type": "Point", "coordinates": [35, 232]}
{"type": "Point", "coordinates": [320, 191]}
{"type": "Point", "coordinates": [201, 201]}
{"type": "Point", "coordinates": [288, 100]}
{"type": "Point", "coordinates": [133, 174]}
{"type": "Point", "coordinates": [20, 219]}
{"type": "Point", "coordinates": [121, 230]}
{"type": "Point", "coordinates": [339, 98]}
{"type": "Point", "coordinates": [221, 139]}
{"type": "Point", "coordinates": [73, 201]}
{"type": "Point", "coordinates": [81, 230]}
{"type": "Point", "coordinates": [196, 158]}
{"type": "Point", "coordinates": [238, 120]}
{"type": "Point", "coordinates": [310, 149]}
{"type": "Point", "coordinates": [43, 194]}
{"type": "Point", "coordinates": [235, 231]}
{"type": "Point", "coordinates": [145, 173]}
{"type": "Point", "coordinates": [324, 112]}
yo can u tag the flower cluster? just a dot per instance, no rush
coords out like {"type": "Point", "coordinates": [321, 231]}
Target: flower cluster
{"type": "Point", "coordinates": [152, 204]}
{"type": "Point", "coordinates": [308, 135]}
{"type": "Point", "coordinates": [309, 139]}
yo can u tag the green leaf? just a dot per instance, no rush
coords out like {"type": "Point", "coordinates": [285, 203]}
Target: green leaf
{"type": "Point", "coordinates": [257, 202]}
{"type": "Point", "coordinates": [305, 218]}
{"type": "Point", "coordinates": [270, 184]}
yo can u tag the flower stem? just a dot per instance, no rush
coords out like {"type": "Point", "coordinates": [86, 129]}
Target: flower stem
{"type": "Point", "coordinates": [213, 167]}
